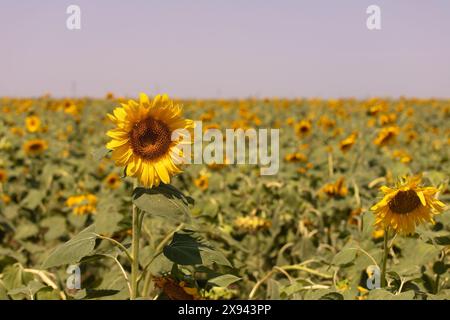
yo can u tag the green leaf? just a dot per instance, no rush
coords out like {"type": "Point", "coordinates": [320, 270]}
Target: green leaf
{"type": "Point", "coordinates": [332, 296]}
{"type": "Point", "coordinates": [48, 293]}
{"type": "Point", "coordinates": [442, 240]}
{"type": "Point", "coordinates": [224, 280]}
{"type": "Point", "coordinates": [439, 267]}
{"type": "Point", "coordinates": [345, 256]}
{"type": "Point", "coordinates": [185, 249]}
{"type": "Point", "coordinates": [29, 290]}
{"type": "Point", "coordinates": [163, 201]}
{"type": "Point", "coordinates": [33, 199]}
{"type": "Point", "coordinates": [368, 219]}
{"type": "Point", "coordinates": [26, 230]}
{"type": "Point", "coordinates": [73, 250]}
{"type": "Point", "coordinates": [96, 294]}
{"type": "Point", "coordinates": [14, 277]}
{"type": "Point", "coordinates": [107, 218]}
{"type": "Point", "coordinates": [56, 227]}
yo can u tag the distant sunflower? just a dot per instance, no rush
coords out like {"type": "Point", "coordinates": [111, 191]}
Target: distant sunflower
{"type": "Point", "coordinates": [336, 189]}
{"type": "Point", "coordinates": [142, 141]}
{"type": "Point", "coordinates": [407, 205]}
{"type": "Point", "coordinates": [3, 176]}
{"type": "Point", "coordinates": [348, 142]}
{"type": "Point", "coordinates": [303, 128]}
{"type": "Point", "coordinates": [295, 157]}
{"type": "Point", "coordinates": [33, 123]}
{"type": "Point", "coordinates": [82, 204]}
{"type": "Point", "coordinates": [35, 147]}
{"type": "Point", "coordinates": [112, 181]}
{"type": "Point", "coordinates": [202, 182]}
{"type": "Point", "coordinates": [386, 136]}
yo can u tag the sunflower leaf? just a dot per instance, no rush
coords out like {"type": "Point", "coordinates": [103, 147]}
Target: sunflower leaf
{"type": "Point", "coordinates": [163, 201]}
{"type": "Point", "coordinates": [188, 249]}
{"type": "Point", "coordinates": [73, 250]}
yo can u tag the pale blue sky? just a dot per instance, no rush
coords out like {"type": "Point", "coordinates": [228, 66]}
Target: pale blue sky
{"type": "Point", "coordinates": [210, 48]}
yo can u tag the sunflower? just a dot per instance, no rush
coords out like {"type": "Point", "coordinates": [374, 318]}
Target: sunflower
{"type": "Point", "coordinates": [17, 131]}
{"type": "Point", "coordinates": [176, 290]}
{"type": "Point", "coordinates": [82, 204]}
{"type": "Point", "coordinates": [33, 123]}
{"type": "Point", "coordinates": [112, 181]}
{"type": "Point", "coordinates": [348, 142]}
{"type": "Point", "coordinates": [5, 198]}
{"type": "Point", "coordinates": [142, 141]}
{"type": "Point", "coordinates": [3, 176]}
{"type": "Point", "coordinates": [407, 205]}
{"type": "Point", "coordinates": [386, 136]}
{"type": "Point", "coordinates": [337, 189]}
{"type": "Point", "coordinates": [295, 157]}
{"type": "Point", "coordinates": [303, 128]}
{"type": "Point", "coordinates": [35, 147]}
{"type": "Point", "coordinates": [402, 155]}
{"type": "Point", "coordinates": [252, 223]}
{"type": "Point", "coordinates": [202, 182]}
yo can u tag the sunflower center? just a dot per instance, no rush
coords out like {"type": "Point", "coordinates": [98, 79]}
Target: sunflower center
{"type": "Point", "coordinates": [150, 138]}
{"type": "Point", "coordinates": [35, 147]}
{"type": "Point", "coordinates": [404, 202]}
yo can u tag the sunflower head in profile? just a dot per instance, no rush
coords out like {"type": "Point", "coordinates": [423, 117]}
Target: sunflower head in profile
{"type": "Point", "coordinates": [3, 176]}
{"type": "Point", "coordinates": [406, 205]}
{"type": "Point", "coordinates": [142, 140]}
{"type": "Point", "coordinates": [386, 136]}
{"type": "Point", "coordinates": [35, 147]}
{"type": "Point", "coordinates": [346, 144]}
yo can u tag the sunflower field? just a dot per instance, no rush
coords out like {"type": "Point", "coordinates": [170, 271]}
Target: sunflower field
{"type": "Point", "coordinates": [92, 206]}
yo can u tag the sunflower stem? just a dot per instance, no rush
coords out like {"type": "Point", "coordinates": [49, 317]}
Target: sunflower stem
{"type": "Point", "coordinates": [385, 257]}
{"type": "Point", "coordinates": [136, 233]}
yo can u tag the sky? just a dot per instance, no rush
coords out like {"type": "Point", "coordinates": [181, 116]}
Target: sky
{"type": "Point", "coordinates": [225, 49]}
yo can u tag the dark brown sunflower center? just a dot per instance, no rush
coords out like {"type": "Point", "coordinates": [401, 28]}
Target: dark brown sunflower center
{"type": "Point", "coordinates": [36, 147]}
{"type": "Point", "coordinates": [404, 202]}
{"type": "Point", "coordinates": [304, 128]}
{"type": "Point", "coordinates": [150, 138]}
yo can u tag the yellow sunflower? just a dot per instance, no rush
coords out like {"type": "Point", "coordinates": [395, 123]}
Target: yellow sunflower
{"type": "Point", "coordinates": [303, 128]}
{"type": "Point", "coordinates": [407, 205]}
{"type": "Point", "coordinates": [295, 157]}
{"type": "Point", "coordinates": [386, 136]}
{"type": "Point", "coordinates": [336, 189]}
{"type": "Point", "coordinates": [82, 204]}
{"type": "Point", "coordinates": [348, 142]}
{"type": "Point", "coordinates": [142, 141]}
{"type": "Point", "coordinates": [33, 123]}
{"type": "Point", "coordinates": [112, 181]}
{"type": "Point", "coordinates": [35, 147]}
{"type": "Point", "coordinates": [202, 182]}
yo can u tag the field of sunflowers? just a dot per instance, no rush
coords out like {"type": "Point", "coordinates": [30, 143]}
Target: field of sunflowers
{"type": "Point", "coordinates": [91, 206]}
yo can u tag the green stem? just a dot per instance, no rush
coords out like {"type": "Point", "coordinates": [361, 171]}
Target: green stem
{"type": "Point", "coordinates": [385, 257]}
{"type": "Point", "coordinates": [136, 229]}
